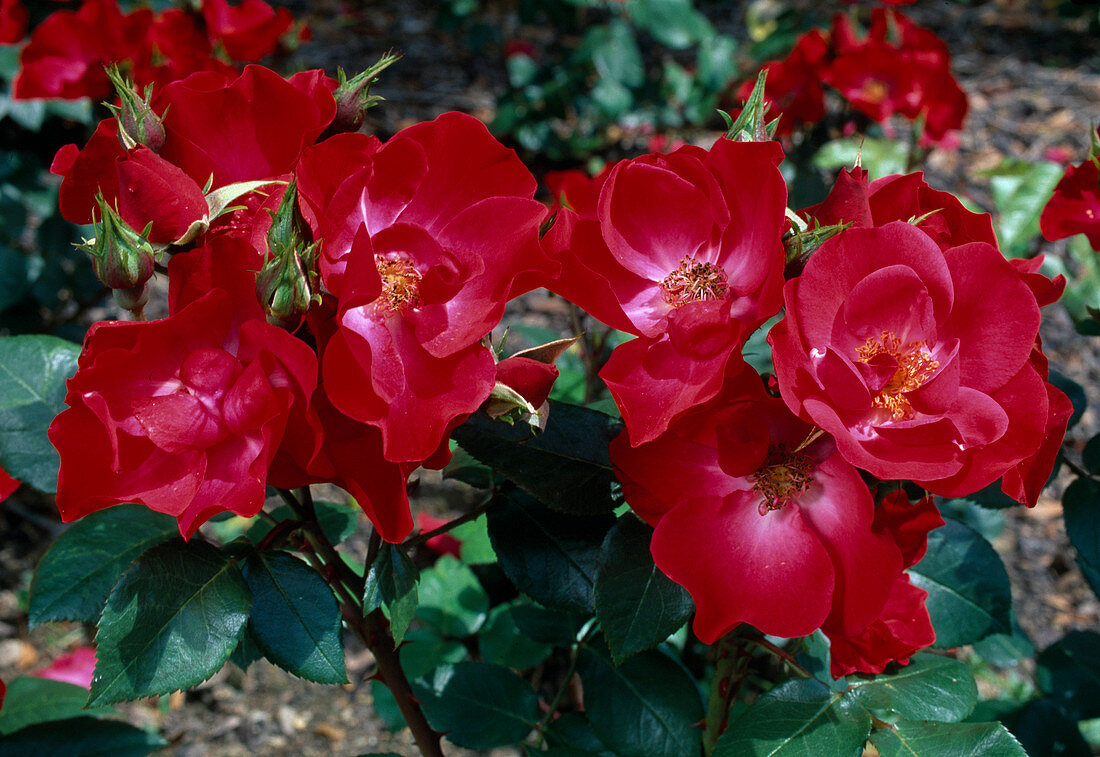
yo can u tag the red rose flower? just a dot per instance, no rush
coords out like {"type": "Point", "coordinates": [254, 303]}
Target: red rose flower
{"type": "Point", "coordinates": [425, 237]}
{"type": "Point", "coordinates": [915, 359]}
{"type": "Point", "coordinates": [903, 626]}
{"type": "Point", "coordinates": [793, 87]}
{"type": "Point", "coordinates": [901, 198]}
{"type": "Point", "coordinates": [144, 187]}
{"type": "Point", "coordinates": [249, 31]}
{"type": "Point", "coordinates": [182, 415]}
{"type": "Point", "coordinates": [13, 22]}
{"type": "Point", "coordinates": [248, 128]}
{"type": "Point", "coordinates": [68, 51]}
{"type": "Point", "coordinates": [76, 667]}
{"type": "Point", "coordinates": [1075, 206]}
{"type": "Point", "coordinates": [685, 252]}
{"type": "Point", "coordinates": [758, 525]}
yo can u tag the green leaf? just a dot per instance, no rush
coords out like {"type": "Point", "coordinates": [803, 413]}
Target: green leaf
{"type": "Point", "coordinates": [452, 599]}
{"type": "Point", "coordinates": [391, 581]}
{"type": "Point", "coordinates": [1069, 670]}
{"type": "Point", "coordinates": [37, 700]}
{"type": "Point", "coordinates": [465, 468]}
{"type": "Point", "coordinates": [170, 623]}
{"type": "Point", "coordinates": [337, 521]}
{"type": "Point", "coordinates": [1020, 192]}
{"type": "Point", "coordinates": [637, 605]}
{"type": "Point", "coordinates": [502, 643]}
{"type": "Point", "coordinates": [969, 596]}
{"type": "Point", "coordinates": [80, 737]}
{"type": "Point", "coordinates": [478, 705]}
{"type": "Point", "coordinates": [76, 575]}
{"type": "Point", "coordinates": [614, 53]}
{"type": "Point", "coordinates": [295, 618]}
{"type": "Point", "coordinates": [803, 717]}
{"type": "Point", "coordinates": [646, 707]}
{"type": "Point", "coordinates": [33, 370]}
{"type": "Point", "coordinates": [881, 157]}
{"type": "Point", "coordinates": [476, 548]}
{"type": "Point", "coordinates": [716, 62]}
{"type": "Point", "coordinates": [930, 687]}
{"type": "Point", "coordinates": [544, 625]}
{"type": "Point", "coordinates": [565, 467]}
{"type": "Point", "coordinates": [572, 735]}
{"type": "Point", "coordinates": [675, 23]}
{"type": "Point", "coordinates": [247, 651]}
{"type": "Point", "coordinates": [1081, 508]}
{"type": "Point", "coordinates": [1090, 456]}
{"type": "Point", "coordinates": [425, 650]}
{"type": "Point", "coordinates": [551, 557]}
{"type": "Point", "coordinates": [946, 740]}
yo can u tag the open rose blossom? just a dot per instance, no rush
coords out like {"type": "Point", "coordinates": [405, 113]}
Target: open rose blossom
{"type": "Point", "coordinates": [916, 359]}
{"type": "Point", "coordinates": [425, 238]}
{"type": "Point", "coordinates": [758, 520]}
{"type": "Point", "coordinates": [1075, 206]}
{"type": "Point", "coordinates": [903, 626]}
{"type": "Point", "coordinates": [684, 251]}
{"type": "Point", "coordinates": [183, 415]}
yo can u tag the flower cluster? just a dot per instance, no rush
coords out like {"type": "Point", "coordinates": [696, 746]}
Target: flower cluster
{"type": "Point", "coordinates": [908, 350]}
{"type": "Point", "coordinates": [330, 298]}
{"type": "Point", "coordinates": [392, 261]}
{"type": "Point", "coordinates": [899, 68]}
{"type": "Point", "coordinates": [67, 52]}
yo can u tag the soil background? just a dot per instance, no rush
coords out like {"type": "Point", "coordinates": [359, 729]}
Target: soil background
{"type": "Point", "coordinates": [1033, 79]}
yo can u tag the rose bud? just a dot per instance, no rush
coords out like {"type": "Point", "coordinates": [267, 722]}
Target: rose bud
{"type": "Point", "coordinates": [139, 124]}
{"type": "Point", "coordinates": [287, 284]}
{"type": "Point", "coordinates": [122, 258]}
{"type": "Point", "coordinates": [353, 97]}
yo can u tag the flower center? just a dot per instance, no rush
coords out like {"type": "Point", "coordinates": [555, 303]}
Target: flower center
{"type": "Point", "coordinates": [400, 284]}
{"type": "Point", "coordinates": [914, 366]}
{"type": "Point", "coordinates": [694, 280]}
{"type": "Point", "coordinates": [784, 474]}
{"type": "Point", "coordinates": [874, 91]}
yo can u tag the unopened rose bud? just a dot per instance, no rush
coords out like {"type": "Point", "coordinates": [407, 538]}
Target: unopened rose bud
{"type": "Point", "coordinates": [138, 124]}
{"type": "Point", "coordinates": [122, 258]}
{"type": "Point", "coordinates": [353, 97]}
{"type": "Point", "coordinates": [287, 284]}
{"type": "Point", "coordinates": [751, 125]}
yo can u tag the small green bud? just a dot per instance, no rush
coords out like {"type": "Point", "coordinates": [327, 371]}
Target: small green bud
{"type": "Point", "coordinates": [287, 284]}
{"type": "Point", "coordinates": [353, 97]}
{"type": "Point", "coordinates": [138, 124]}
{"type": "Point", "coordinates": [122, 258]}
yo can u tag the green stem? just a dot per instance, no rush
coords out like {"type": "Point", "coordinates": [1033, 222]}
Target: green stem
{"type": "Point", "coordinates": [373, 629]}
{"type": "Point", "coordinates": [729, 670]}
{"type": "Point", "coordinates": [474, 514]}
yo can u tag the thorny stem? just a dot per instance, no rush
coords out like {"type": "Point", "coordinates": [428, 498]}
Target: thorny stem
{"type": "Point", "coordinates": [729, 670]}
{"type": "Point", "coordinates": [586, 633]}
{"type": "Point", "coordinates": [419, 539]}
{"type": "Point", "coordinates": [373, 629]}
{"type": "Point", "coordinates": [782, 654]}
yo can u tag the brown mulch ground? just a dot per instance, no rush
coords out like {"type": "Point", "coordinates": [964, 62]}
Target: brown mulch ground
{"type": "Point", "coordinates": [1034, 83]}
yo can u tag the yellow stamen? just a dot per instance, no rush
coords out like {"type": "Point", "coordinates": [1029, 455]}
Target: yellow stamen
{"type": "Point", "coordinates": [915, 366]}
{"type": "Point", "coordinates": [400, 284]}
{"type": "Point", "coordinates": [784, 474]}
{"type": "Point", "coordinates": [694, 280]}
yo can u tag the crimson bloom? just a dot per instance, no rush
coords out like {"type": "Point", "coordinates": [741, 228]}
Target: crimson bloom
{"type": "Point", "coordinates": [144, 187]}
{"type": "Point", "coordinates": [761, 522]}
{"type": "Point", "coordinates": [249, 31]}
{"type": "Point", "coordinates": [938, 214]}
{"type": "Point", "coordinates": [903, 626]}
{"type": "Point", "coordinates": [13, 22]}
{"type": "Point", "coordinates": [183, 415]}
{"type": "Point", "coordinates": [1075, 206]}
{"type": "Point", "coordinates": [684, 251]}
{"type": "Point", "coordinates": [916, 359]}
{"type": "Point", "coordinates": [425, 238]}
{"type": "Point", "coordinates": [793, 87]}
{"type": "Point", "coordinates": [67, 52]}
